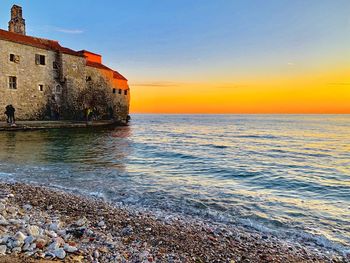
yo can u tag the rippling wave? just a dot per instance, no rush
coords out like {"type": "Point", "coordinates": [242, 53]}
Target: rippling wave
{"type": "Point", "coordinates": [285, 174]}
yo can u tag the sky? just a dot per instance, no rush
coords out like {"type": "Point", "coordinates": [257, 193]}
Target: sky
{"type": "Point", "coordinates": [204, 56]}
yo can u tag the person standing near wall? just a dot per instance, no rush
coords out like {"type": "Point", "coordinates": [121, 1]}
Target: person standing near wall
{"type": "Point", "coordinates": [7, 113]}
{"type": "Point", "coordinates": [12, 115]}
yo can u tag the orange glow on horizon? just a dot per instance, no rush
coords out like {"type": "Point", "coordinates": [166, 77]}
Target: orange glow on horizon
{"type": "Point", "coordinates": [326, 92]}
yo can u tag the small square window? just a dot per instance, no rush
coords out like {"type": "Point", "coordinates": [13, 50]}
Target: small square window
{"type": "Point", "coordinates": [114, 91]}
{"type": "Point", "coordinates": [125, 92]}
{"type": "Point", "coordinates": [41, 87]}
{"type": "Point", "coordinates": [120, 91]}
{"type": "Point", "coordinates": [12, 82]}
{"type": "Point", "coordinates": [40, 59]}
{"type": "Point", "coordinates": [14, 58]}
{"type": "Point", "coordinates": [58, 89]}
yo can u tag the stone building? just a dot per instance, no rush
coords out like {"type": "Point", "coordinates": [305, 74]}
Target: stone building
{"type": "Point", "coordinates": [44, 80]}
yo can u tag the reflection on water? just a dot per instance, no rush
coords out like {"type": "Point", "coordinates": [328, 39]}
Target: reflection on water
{"type": "Point", "coordinates": [281, 173]}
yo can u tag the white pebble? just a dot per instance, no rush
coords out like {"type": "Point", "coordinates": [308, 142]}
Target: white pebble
{"type": "Point", "coordinates": [33, 231]}
{"type": "Point", "coordinates": [101, 224]}
{"type": "Point", "coordinates": [3, 250]}
{"type": "Point", "coordinates": [51, 234]}
{"type": "Point", "coordinates": [96, 254]}
{"type": "Point", "coordinates": [20, 236]}
{"type": "Point", "coordinates": [81, 222]}
{"type": "Point", "coordinates": [70, 249]}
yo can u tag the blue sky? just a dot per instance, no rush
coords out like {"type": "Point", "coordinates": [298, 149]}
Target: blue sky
{"type": "Point", "coordinates": [187, 39]}
{"type": "Point", "coordinates": [177, 43]}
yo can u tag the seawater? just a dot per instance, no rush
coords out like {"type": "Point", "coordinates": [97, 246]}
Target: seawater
{"type": "Point", "coordinates": [288, 175]}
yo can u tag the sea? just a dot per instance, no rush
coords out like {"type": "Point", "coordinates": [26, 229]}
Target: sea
{"type": "Point", "coordinates": [286, 175]}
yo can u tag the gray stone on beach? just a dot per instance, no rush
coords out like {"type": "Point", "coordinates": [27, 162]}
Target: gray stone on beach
{"type": "Point", "coordinates": [15, 222]}
{"type": "Point", "coordinates": [3, 221]}
{"type": "Point", "coordinates": [53, 246]}
{"type": "Point", "coordinates": [17, 243]}
{"type": "Point", "coordinates": [96, 254]}
{"type": "Point", "coordinates": [60, 253]}
{"type": "Point", "coordinates": [101, 223]}
{"type": "Point", "coordinates": [55, 226]}
{"type": "Point", "coordinates": [70, 249]}
{"type": "Point", "coordinates": [62, 233]}
{"type": "Point", "coordinates": [81, 222]}
{"type": "Point", "coordinates": [29, 240]}
{"type": "Point", "coordinates": [127, 231]}
{"type": "Point", "coordinates": [2, 207]}
{"type": "Point", "coordinates": [4, 239]}
{"type": "Point", "coordinates": [27, 207]}
{"type": "Point", "coordinates": [17, 250]}
{"type": "Point", "coordinates": [26, 218]}
{"type": "Point", "coordinates": [26, 246]}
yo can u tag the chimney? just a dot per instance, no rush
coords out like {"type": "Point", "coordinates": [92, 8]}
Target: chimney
{"type": "Point", "coordinates": [17, 24]}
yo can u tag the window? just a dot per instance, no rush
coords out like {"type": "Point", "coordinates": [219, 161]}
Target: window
{"type": "Point", "coordinates": [12, 82]}
{"type": "Point", "coordinates": [114, 91]}
{"type": "Point", "coordinates": [14, 58]}
{"type": "Point", "coordinates": [125, 92]}
{"type": "Point", "coordinates": [58, 89]}
{"type": "Point", "coordinates": [41, 87]}
{"type": "Point", "coordinates": [120, 91]}
{"type": "Point", "coordinates": [88, 78]}
{"type": "Point", "coordinates": [40, 59]}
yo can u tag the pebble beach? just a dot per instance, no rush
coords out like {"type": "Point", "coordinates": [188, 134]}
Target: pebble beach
{"type": "Point", "coordinates": [40, 224]}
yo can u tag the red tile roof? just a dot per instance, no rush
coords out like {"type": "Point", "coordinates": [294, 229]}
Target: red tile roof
{"type": "Point", "coordinates": [86, 51]}
{"type": "Point", "coordinates": [37, 42]}
{"type": "Point", "coordinates": [116, 74]}
{"type": "Point", "coordinates": [55, 46]}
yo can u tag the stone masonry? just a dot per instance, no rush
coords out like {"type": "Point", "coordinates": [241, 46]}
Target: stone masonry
{"type": "Point", "coordinates": [39, 76]}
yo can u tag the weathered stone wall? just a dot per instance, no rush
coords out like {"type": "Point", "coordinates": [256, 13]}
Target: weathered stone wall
{"type": "Point", "coordinates": [29, 101]}
{"type": "Point", "coordinates": [119, 102]}
{"type": "Point", "coordinates": [63, 85]}
{"type": "Point", "coordinates": [74, 79]}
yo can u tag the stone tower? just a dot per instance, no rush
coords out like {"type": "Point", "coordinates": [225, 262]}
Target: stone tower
{"type": "Point", "coordinates": [17, 23]}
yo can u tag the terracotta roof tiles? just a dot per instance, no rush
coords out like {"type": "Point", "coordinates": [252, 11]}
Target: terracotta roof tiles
{"type": "Point", "coordinates": [116, 74]}
{"type": "Point", "coordinates": [36, 42]}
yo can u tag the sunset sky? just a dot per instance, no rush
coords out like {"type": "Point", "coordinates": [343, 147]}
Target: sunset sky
{"type": "Point", "coordinates": [205, 56]}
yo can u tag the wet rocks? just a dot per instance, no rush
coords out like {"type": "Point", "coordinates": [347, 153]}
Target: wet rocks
{"type": "Point", "coordinates": [37, 222]}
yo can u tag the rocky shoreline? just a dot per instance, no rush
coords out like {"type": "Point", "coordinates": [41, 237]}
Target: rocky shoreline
{"type": "Point", "coordinates": [39, 224]}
